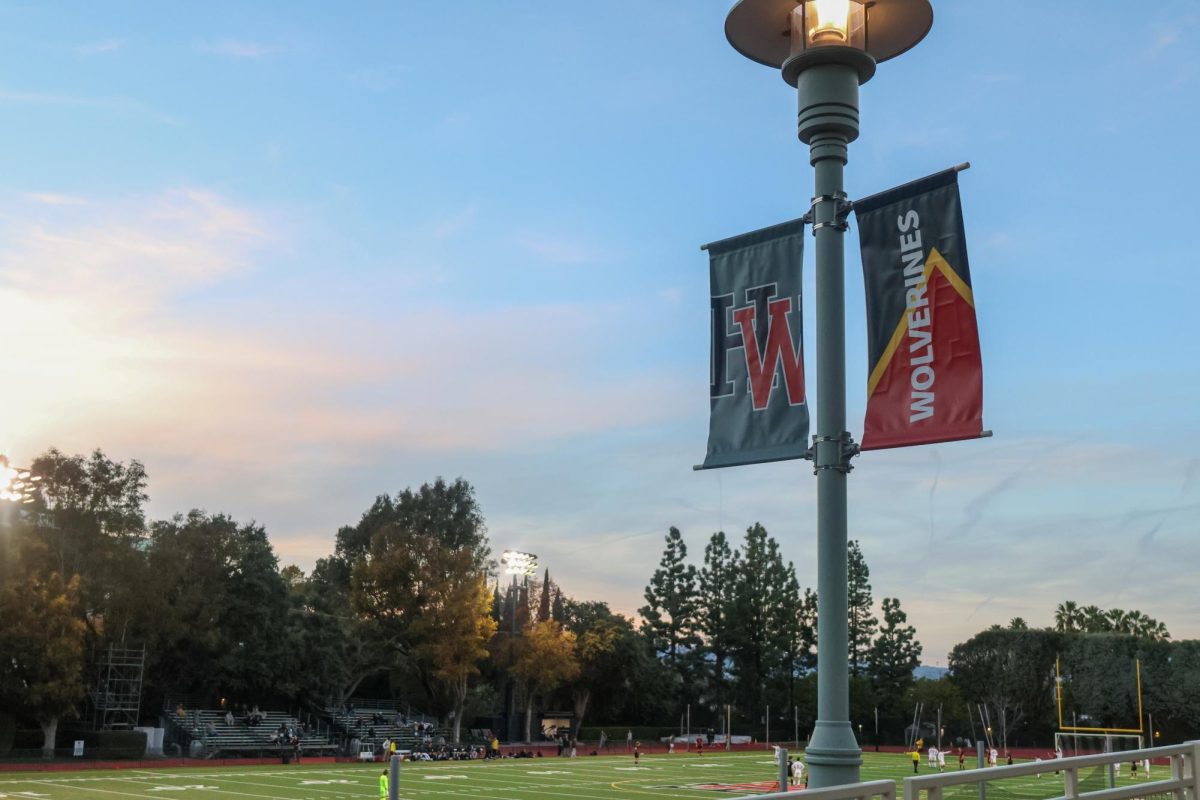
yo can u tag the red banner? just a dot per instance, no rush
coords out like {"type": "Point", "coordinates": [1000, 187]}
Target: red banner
{"type": "Point", "coordinates": [926, 379]}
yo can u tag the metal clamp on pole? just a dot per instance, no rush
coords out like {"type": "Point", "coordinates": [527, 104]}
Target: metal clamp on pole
{"type": "Point", "coordinates": [841, 212]}
{"type": "Point", "coordinates": [847, 450]}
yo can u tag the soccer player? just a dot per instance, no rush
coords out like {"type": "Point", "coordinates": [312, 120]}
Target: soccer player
{"type": "Point", "coordinates": [941, 760]}
{"type": "Point", "coordinates": [992, 756]}
{"type": "Point", "coordinates": [916, 759]}
{"type": "Point", "coordinates": [637, 753]}
{"type": "Point", "coordinates": [962, 758]}
{"type": "Point", "coordinates": [797, 772]}
{"type": "Point", "coordinates": [383, 785]}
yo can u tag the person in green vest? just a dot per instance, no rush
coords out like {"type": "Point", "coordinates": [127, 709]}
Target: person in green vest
{"type": "Point", "coordinates": [383, 785]}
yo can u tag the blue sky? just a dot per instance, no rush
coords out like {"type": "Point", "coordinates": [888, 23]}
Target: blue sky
{"type": "Point", "coordinates": [293, 255]}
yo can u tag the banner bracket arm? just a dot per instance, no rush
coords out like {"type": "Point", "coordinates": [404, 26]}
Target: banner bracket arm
{"type": "Point", "coordinates": [847, 449]}
{"type": "Point", "coordinates": [841, 212]}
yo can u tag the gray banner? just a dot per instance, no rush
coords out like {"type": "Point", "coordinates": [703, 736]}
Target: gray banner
{"type": "Point", "coordinates": [758, 407]}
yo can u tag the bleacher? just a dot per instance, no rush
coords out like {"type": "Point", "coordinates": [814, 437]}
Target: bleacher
{"type": "Point", "coordinates": [373, 724]}
{"type": "Point", "coordinates": [242, 740]}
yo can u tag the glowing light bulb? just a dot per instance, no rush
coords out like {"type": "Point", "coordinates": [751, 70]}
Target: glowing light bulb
{"type": "Point", "coordinates": [830, 21]}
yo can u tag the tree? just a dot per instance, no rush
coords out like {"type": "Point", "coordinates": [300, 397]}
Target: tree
{"type": "Point", "coordinates": [90, 518]}
{"type": "Point", "coordinates": [717, 584]}
{"type": "Point", "coordinates": [1012, 671]}
{"type": "Point", "coordinates": [795, 619]}
{"type": "Point", "coordinates": [546, 661]}
{"type": "Point", "coordinates": [1070, 618]}
{"type": "Point", "coordinates": [626, 682]}
{"type": "Point", "coordinates": [894, 655]}
{"type": "Point", "coordinates": [214, 609]}
{"type": "Point", "coordinates": [757, 641]}
{"type": "Point", "coordinates": [544, 603]}
{"type": "Point", "coordinates": [1067, 617]}
{"type": "Point", "coordinates": [403, 555]}
{"type": "Point", "coordinates": [670, 613]}
{"type": "Point", "coordinates": [454, 631]}
{"type": "Point", "coordinates": [861, 622]}
{"type": "Point", "coordinates": [602, 664]}
{"type": "Point", "coordinates": [42, 641]}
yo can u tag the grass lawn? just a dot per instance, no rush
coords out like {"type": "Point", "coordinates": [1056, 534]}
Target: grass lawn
{"type": "Point", "coordinates": [714, 775]}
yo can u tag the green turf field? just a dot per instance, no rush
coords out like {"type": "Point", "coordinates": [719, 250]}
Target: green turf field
{"type": "Point", "coordinates": [714, 775]}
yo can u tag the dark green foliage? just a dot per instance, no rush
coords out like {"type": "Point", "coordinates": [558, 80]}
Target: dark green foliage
{"type": "Point", "coordinates": [862, 622]}
{"type": "Point", "coordinates": [895, 652]}
{"type": "Point", "coordinates": [1012, 672]}
{"type": "Point", "coordinates": [670, 616]}
{"type": "Point", "coordinates": [717, 585]}
{"type": "Point", "coordinates": [215, 611]}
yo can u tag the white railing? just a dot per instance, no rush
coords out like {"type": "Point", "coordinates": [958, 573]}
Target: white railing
{"type": "Point", "coordinates": [1183, 783]}
{"type": "Point", "coordinates": [851, 791]}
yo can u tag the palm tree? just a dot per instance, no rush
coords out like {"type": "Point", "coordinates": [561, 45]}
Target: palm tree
{"type": "Point", "coordinates": [1067, 617]}
{"type": "Point", "coordinates": [1094, 620]}
{"type": "Point", "coordinates": [1018, 624]}
{"type": "Point", "coordinates": [1118, 620]}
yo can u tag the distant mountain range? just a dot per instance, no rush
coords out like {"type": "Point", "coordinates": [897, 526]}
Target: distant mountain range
{"type": "Point", "coordinates": [932, 673]}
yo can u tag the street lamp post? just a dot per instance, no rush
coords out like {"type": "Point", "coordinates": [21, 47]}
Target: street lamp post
{"type": "Point", "coordinates": [827, 49]}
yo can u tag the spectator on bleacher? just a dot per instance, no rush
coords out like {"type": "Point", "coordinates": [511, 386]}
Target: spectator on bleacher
{"type": "Point", "coordinates": [181, 713]}
{"type": "Point", "coordinates": [210, 730]}
{"type": "Point", "coordinates": [229, 720]}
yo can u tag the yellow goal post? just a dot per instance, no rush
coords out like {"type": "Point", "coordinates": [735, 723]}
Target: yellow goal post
{"type": "Point", "coordinates": [1058, 681]}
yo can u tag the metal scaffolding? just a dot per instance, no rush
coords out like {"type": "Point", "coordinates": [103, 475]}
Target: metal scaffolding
{"type": "Point", "coordinates": [117, 695]}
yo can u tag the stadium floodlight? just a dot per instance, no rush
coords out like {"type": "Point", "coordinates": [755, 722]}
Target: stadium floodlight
{"type": "Point", "coordinates": [826, 49]}
{"type": "Point", "coordinates": [16, 484]}
{"type": "Point", "coordinates": [517, 563]}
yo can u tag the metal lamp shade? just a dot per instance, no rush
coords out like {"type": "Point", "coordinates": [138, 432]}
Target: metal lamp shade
{"type": "Point", "coordinates": [761, 29]}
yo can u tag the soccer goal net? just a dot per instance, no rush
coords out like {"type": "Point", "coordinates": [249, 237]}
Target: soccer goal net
{"type": "Point", "coordinates": [1083, 743]}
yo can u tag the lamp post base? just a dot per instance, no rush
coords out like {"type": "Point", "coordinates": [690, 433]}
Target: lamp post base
{"type": "Point", "coordinates": [833, 755]}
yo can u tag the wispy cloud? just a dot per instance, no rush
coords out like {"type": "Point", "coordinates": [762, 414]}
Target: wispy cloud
{"type": "Point", "coordinates": [54, 199]}
{"type": "Point", "coordinates": [100, 47]}
{"type": "Point", "coordinates": [125, 351]}
{"type": "Point", "coordinates": [237, 48]}
{"type": "Point", "coordinates": [112, 104]}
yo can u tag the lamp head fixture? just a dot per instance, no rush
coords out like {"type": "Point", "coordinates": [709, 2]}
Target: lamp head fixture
{"type": "Point", "coordinates": [794, 34]}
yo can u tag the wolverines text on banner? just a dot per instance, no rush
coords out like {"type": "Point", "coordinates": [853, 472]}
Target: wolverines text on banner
{"type": "Point", "coordinates": [758, 408]}
{"type": "Point", "coordinates": [926, 376]}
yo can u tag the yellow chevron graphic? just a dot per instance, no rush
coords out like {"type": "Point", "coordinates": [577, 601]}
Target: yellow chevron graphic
{"type": "Point", "coordinates": [934, 261]}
